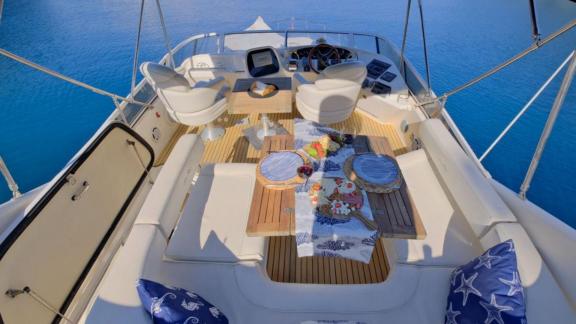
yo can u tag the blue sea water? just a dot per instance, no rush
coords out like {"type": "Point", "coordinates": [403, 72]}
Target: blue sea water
{"type": "Point", "coordinates": [44, 121]}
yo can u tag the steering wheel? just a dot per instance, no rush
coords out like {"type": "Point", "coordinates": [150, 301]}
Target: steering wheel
{"type": "Point", "coordinates": [326, 55]}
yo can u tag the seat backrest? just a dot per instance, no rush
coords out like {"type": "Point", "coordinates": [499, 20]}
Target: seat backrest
{"type": "Point", "coordinates": [175, 91]}
{"type": "Point", "coordinates": [351, 71]}
{"type": "Point", "coordinates": [163, 77]}
{"type": "Point", "coordinates": [546, 301]}
{"type": "Point", "coordinates": [329, 95]}
{"type": "Point", "coordinates": [477, 200]}
{"type": "Point", "coordinates": [163, 203]}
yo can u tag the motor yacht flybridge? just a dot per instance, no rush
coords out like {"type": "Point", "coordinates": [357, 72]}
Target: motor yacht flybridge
{"type": "Point", "coordinates": [206, 176]}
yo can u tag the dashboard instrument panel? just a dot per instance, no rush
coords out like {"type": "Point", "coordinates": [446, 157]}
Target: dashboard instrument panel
{"type": "Point", "coordinates": [262, 62]}
{"type": "Point", "coordinates": [303, 52]}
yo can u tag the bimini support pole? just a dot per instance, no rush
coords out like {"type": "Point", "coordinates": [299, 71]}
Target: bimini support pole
{"type": "Point", "coordinates": [167, 41]}
{"type": "Point", "coordinates": [404, 36]}
{"type": "Point", "coordinates": [137, 49]}
{"type": "Point", "coordinates": [68, 79]}
{"type": "Point", "coordinates": [558, 102]}
{"type": "Point", "coordinates": [9, 180]}
{"type": "Point", "coordinates": [425, 48]}
{"type": "Point", "coordinates": [526, 106]}
{"type": "Point", "coordinates": [535, 31]}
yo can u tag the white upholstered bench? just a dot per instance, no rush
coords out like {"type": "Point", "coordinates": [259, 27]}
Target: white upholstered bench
{"type": "Point", "coordinates": [213, 223]}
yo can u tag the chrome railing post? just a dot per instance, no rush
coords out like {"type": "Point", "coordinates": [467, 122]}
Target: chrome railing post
{"type": "Point", "coordinates": [9, 180]}
{"type": "Point", "coordinates": [558, 102]}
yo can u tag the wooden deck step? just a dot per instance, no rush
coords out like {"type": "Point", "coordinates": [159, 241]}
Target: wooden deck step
{"type": "Point", "coordinates": [283, 265]}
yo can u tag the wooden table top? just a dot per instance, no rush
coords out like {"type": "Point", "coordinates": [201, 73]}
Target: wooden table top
{"type": "Point", "coordinates": [272, 210]}
{"type": "Point", "coordinates": [240, 102]}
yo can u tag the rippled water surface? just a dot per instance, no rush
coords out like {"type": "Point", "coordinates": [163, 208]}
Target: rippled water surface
{"type": "Point", "coordinates": [44, 121]}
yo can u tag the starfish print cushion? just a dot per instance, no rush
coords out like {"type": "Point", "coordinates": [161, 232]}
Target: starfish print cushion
{"type": "Point", "coordinates": [487, 289]}
{"type": "Point", "coordinates": [176, 305]}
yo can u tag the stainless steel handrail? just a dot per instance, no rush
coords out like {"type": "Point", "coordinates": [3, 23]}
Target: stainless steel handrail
{"type": "Point", "coordinates": [526, 106]}
{"type": "Point", "coordinates": [513, 59]}
{"type": "Point", "coordinates": [9, 180]}
{"type": "Point", "coordinates": [552, 116]}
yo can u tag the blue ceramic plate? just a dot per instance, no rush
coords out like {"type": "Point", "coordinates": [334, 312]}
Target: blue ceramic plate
{"type": "Point", "coordinates": [376, 169]}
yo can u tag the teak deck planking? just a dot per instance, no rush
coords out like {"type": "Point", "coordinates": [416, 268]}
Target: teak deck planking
{"type": "Point", "coordinates": [233, 147]}
{"type": "Point", "coordinates": [283, 265]}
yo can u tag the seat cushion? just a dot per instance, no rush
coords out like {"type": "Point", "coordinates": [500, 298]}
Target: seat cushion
{"type": "Point", "coordinates": [116, 300]}
{"type": "Point", "coordinates": [162, 205]}
{"type": "Point", "coordinates": [213, 224]}
{"type": "Point", "coordinates": [545, 301]}
{"type": "Point", "coordinates": [396, 291]}
{"type": "Point", "coordinates": [430, 299]}
{"type": "Point", "coordinates": [478, 201]}
{"type": "Point", "coordinates": [449, 240]}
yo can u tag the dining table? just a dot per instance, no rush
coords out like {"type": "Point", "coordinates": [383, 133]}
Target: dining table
{"type": "Point", "coordinates": [272, 211]}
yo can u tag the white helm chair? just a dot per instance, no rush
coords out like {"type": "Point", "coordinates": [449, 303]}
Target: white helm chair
{"type": "Point", "coordinates": [327, 101]}
{"type": "Point", "coordinates": [353, 71]}
{"type": "Point", "coordinates": [192, 106]}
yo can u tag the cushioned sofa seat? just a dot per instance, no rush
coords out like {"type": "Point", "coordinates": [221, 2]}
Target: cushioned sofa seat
{"type": "Point", "coordinates": [449, 241]}
{"type": "Point", "coordinates": [116, 300]}
{"type": "Point", "coordinates": [412, 294]}
{"type": "Point", "coordinates": [244, 293]}
{"type": "Point", "coordinates": [213, 223]}
{"type": "Point", "coordinates": [162, 205]}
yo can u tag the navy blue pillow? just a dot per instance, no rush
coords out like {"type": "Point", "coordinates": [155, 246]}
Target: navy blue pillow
{"type": "Point", "coordinates": [176, 305]}
{"type": "Point", "coordinates": [487, 289]}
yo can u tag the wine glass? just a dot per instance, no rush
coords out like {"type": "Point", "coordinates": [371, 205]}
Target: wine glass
{"type": "Point", "coordinates": [304, 172]}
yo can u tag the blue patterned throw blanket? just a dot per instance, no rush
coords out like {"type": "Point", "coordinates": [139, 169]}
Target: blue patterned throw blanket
{"type": "Point", "coordinates": [318, 234]}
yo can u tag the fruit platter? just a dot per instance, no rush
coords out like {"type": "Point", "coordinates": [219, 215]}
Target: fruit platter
{"type": "Point", "coordinates": [339, 198]}
{"type": "Point", "coordinates": [327, 145]}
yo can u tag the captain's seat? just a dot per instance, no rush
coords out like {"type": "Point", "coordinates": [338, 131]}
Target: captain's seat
{"type": "Point", "coordinates": [353, 71]}
{"type": "Point", "coordinates": [196, 105]}
{"type": "Point", "coordinates": [326, 101]}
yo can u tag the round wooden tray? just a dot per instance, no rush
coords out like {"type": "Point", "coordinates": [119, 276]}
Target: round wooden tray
{"type": "Point", "coordinates": [287, 165]}
{"type": "Point", "coordinates": [383, 184]}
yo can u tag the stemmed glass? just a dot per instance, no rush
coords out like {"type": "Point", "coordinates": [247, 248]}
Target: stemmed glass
{"type": "Point", "coordinates": [304, 172]}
